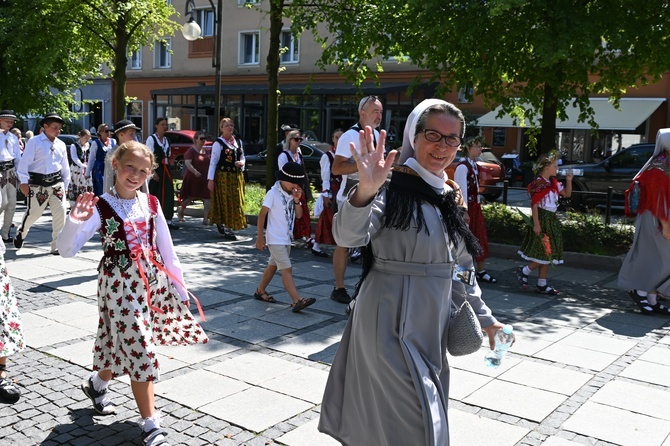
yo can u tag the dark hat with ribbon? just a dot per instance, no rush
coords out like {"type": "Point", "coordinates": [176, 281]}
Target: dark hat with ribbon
{"type": "Point", "coordinates": [287, 127]}
{"type": "Point", "coordinates": [7, 114]}
{"type": "Point", "coordinates": [52, 117]}
{"type": "Point", "coordinates": [291, 172]}
{"type": "Point", "coordinates": [125, 124]}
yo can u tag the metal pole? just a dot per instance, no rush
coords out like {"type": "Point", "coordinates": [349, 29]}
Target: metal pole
{"type": "Point", "coordinates": [216, 61]}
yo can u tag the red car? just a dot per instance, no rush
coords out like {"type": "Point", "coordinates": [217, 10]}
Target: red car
{"type": "Point", "coordinates": [180, 142]}
{"type": "Point", "coordinates": [492, 173]}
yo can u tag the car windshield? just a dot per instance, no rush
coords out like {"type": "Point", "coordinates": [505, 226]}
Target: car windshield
{"type": "Point", "coordinates": [489, 157]}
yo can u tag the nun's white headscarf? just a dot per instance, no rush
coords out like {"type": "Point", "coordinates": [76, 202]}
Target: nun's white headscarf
{"type": "Point", "coordinates": [410, 127]}
{"type": "Point", "coordinates": [662, 143]}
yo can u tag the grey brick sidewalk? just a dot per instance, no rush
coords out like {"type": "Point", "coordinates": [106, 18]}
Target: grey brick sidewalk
{"type": "Point", "coordinates": [586, 368]}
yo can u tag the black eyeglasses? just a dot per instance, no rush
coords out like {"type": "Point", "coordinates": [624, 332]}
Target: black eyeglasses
{"type": "Point", "coordinates": [297, 138]}
{"type": "Point", "coordinates": [435, 136]}
{"type": "Point", "coordinates": [368, 99]}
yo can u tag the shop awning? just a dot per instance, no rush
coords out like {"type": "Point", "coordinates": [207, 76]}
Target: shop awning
{"type": "Point", "coordinates": [631, 113]}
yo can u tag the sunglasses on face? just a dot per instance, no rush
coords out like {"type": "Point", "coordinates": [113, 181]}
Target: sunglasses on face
{"type": "Point", "coordinates": [201, 138]}
{"type": "Point", "coordinates": [368, 99]}
{"type": "Point", "coordinates": [297, 138]}
{"type": "Point", "coordinates": [107, 131]}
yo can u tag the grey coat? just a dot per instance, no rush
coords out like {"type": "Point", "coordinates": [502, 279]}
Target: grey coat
{"type": "Point", "coordinates": [389, 383]}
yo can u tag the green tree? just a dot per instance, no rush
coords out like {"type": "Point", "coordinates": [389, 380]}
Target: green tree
{"type": "Point", "coordinates": [119, 27]}
{"type": "Point", "coordinates": [53, 46]}
{"type": "Point", "coordinates": [44, 56]}
{"type": "Point", "coordinates": [533, 57]}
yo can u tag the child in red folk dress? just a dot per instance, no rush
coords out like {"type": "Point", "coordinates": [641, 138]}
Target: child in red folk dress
{"type": "Point", "coordinates": [142, 300]}
{"type": "Point", "coordinates": [281, 208]}
{"type": "Point", "coordinates": [543, 243]}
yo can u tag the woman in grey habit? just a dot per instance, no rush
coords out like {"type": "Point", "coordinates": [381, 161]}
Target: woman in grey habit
{"type": "Point", "coordinates": [389, 383]}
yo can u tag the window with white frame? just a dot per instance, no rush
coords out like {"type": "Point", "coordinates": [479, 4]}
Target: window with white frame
{"type": "Point", "coordinates": [250, 48]}
{"type": "Point", "coordinates": [135, 59]}
{"type": "Point", "coordinates": [243, 2]}
{"type": "Point", "coordinates": [162, 55]}
{"type": "Point", "coordinates": [205, 18]}
{"type": "Point", "coordinates": [466, 94]}
{"type": "Point", "coordinates": [290, 48]}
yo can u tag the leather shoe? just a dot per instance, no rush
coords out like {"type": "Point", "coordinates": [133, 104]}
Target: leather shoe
{"type": "Point", "coordinates": [319, 253]}
{"type": "Point", "coordinates": [8, 239]}
{"type": "Point", "coordinates": [18, 241]}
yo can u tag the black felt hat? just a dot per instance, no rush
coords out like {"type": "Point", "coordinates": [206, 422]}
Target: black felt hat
{"type": "Point", "coordinates": [291, 172]}
{"type": "Point", "coordinates": [7, 114]}
{"type": "Point", "coordinates": [125, 124]}
{"type": "Point", "coordinates": [52, 117]}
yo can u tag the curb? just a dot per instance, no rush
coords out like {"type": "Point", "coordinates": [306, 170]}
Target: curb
{"type": "Point", "coordinates": [573, 259]}
{"type": "Point", "coordinates": [500, 250]}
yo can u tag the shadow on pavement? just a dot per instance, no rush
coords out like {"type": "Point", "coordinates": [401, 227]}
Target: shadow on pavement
{"type": "Point", "coordinates": [115, 433]}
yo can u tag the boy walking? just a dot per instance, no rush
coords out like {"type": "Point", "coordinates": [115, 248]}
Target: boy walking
{"type": "Point", "coordinates": [281, 208]}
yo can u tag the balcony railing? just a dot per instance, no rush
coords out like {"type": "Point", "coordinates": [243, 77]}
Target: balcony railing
{"type": "Point", "coordinates": [201, 47]}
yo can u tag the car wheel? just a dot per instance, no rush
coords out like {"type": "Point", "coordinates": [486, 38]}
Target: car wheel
{"type": "Point", "coordinates": [492, 196]}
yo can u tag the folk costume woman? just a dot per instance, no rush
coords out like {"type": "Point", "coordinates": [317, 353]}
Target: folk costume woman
{"type": "Point", "coordinates": [302, 227]}
{"type": "Point", "coordinates": [226, 182]}
{"type": "Point", "coordinates": [646, 269]}
{"type": "Point", "coordinates": [543, 242]}
{"type": "Point", "coordinates": [79, 155]}
{"type": "Point", "coordinates": [96, 161]}
{"type": "Point", "coordinates": [142, 300]}
{"type": "Point", "coordinates": [466, 176]}
{"type": "Point", "coordinates": [389, 383]}
{"type": "Point", "coordinates": [161, 185]}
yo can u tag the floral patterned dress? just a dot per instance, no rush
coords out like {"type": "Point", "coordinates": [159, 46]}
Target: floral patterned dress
{"type": "Point", "coordinates": [138, 256]}
{"type": "Point", "coordinates": [11, 328]}
{"type": "Point", "coordinates": [79, 184]}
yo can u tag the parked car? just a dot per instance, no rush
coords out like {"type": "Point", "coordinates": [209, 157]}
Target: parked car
{"type": "Point", "coordinates": [492, 173]}
{"type": "Point", "coordinates": [255, 169]}
{"type": "Point", "coordinates": [616, 171]}
{"type": "Point", "coordinates": [180, 142]}
{"type": "Point", "coordinates": [68, 139]}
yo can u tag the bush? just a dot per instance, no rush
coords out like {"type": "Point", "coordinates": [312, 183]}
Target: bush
{"type": "Point", "coordinates": [585, 233]}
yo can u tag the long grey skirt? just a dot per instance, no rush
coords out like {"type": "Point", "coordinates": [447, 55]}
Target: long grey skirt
{"type": "Point", "coordinates": [647, 264]}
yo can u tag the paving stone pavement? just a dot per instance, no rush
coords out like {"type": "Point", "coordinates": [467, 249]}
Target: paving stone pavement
{"type": "Point", "coordinates": [586, 368]}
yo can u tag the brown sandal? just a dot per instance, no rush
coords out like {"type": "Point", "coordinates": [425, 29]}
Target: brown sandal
{"type": "Point", "coordinates": [264, 296]}
{"type": "Point", "coordinates": [302, 304]}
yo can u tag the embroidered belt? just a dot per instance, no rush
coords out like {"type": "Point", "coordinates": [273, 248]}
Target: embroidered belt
{"type": "Point", "coordinates": [45, 180]}
{"type": "Point", "coordinates": [6, 165]}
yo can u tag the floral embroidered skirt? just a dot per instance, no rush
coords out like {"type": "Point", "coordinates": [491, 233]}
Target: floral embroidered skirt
{"type": "Point", "coordinates": [11, 328]}
{"type": "Point", "coordinates": [537, 248]}
{"type": "Point", "coordinates": [227, 205]}
{"type": "Point", "coordinates": [128, 331]}
{"type": "Point", "coordinates": [78, 183]}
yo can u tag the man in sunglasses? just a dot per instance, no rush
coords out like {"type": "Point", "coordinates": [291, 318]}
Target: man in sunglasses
{"type": "Point", "coordinates": [44, 174]}
{"type": "Point", "coordinates": [370, 113]}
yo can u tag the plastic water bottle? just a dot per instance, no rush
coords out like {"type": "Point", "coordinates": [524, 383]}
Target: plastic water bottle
{"type": "Point", "coordinates": [504, 338]}
{"type": "Point", "coordinates": [575, 172]}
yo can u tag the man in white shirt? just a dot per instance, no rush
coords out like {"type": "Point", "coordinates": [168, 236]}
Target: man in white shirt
{"type": "Point", "coordinates": [10, 155]}
{"type": "Point", "coordinates": [44, 174]}
{"type": "Point", "coordinates": [370, 113]}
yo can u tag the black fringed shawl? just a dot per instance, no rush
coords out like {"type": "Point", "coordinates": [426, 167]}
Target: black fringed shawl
{"type": "Point", "coordinates": [404, 196]}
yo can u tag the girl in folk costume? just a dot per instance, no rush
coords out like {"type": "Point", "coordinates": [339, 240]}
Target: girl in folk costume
{"type": "Point", "coordinates": [142, 300]}
{"type": "Point", "coordinates": [11, 332]}
{"type": "Point", "coordinates": [330, 186]}
{"type": "Point", "coordinates": [96, 161]}
{"type": "Point", "coordinates": [79, 155]}
{"type": "Point", "coordinates": [646, 269]}
{"type": "Point", "coordinates": [302, 227]}
{"type": "Point", "coordinates": [543, 242]}
{"type": "Point", "coordinates": [226, 182]}
{"type": "Point", "coordinates": [467, 177]}
{"type": "Point", "coordinates": [161, 181]}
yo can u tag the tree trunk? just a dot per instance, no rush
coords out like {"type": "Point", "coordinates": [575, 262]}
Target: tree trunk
{"type": "Point", "coordinates": [276, 14]}
{"type": "Point", "coordinates": [119, 75]}
{"type": "Point", "coordinates": [549, 110]}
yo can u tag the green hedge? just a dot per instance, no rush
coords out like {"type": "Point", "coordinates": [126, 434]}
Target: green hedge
{"type": "Point", "coordinates": [586, 233]}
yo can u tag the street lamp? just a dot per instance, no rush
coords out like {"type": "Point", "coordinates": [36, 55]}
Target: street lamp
{"type": "Point", "coordinates": [191, 31]}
